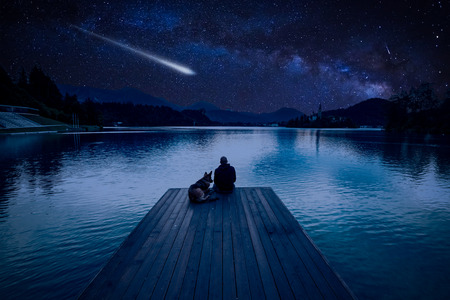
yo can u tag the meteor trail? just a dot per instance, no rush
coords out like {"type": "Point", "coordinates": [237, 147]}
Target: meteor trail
{"type": "Point", "coordinates": [387, 49]}
{"type": "Point", "coordinates": [173, 65]}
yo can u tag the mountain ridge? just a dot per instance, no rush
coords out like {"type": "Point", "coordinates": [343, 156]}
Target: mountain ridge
{"type": "Point", "coordinates": [213, 112]}
{"type": "Point", "coordinates": [122, 95]}
{"type": "Point", "coordinates": [370, 112]}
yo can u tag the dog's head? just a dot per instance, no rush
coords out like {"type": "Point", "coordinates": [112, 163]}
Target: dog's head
{"type": "Point", "coordinates": [208, 177]}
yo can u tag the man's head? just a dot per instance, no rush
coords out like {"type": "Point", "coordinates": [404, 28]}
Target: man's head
{"type": "Point", "coordinates": [223, 160]}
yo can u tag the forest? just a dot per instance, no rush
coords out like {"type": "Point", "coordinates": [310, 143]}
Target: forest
{"type": "Point", "coordinates": [419, 110]}
{"type": "Point", "coordinates": [38, 90]}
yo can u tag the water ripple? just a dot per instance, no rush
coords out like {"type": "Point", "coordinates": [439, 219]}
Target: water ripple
{"type": "Point", "coordinates": [376, 206]}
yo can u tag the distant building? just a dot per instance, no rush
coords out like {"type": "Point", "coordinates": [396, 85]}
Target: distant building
{"type": "Point", "coordinates": [317, 116]}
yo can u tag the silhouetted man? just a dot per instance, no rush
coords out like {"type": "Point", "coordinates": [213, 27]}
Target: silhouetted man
{"type": "Point", "coordinates": [224, 177]}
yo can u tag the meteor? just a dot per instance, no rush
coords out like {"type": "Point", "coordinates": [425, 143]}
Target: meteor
{"type": "Point", "coordinates": [165, 62]}
{"type": "Point", "coordinates": [387, 49]}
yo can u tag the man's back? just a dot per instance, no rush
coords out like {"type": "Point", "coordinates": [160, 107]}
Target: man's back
{"type": "Point", "coordinates": [224, 177]}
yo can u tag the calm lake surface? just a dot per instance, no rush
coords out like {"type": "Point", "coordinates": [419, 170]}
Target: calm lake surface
{"type": "Point", "coordinates": [377, 205]}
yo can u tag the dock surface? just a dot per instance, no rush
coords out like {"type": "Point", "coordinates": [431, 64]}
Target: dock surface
{"type": "Point", "coordinates": [246, 245]}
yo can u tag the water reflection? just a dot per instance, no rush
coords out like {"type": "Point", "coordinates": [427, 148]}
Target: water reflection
{"type": "Point", "coordinates": [68, 201]}
{"type": "Point", "coordinates": [32, 159]}
{"type": "Point", "coordinates": [8, 177]}
{"type": "Point", "coordinates": [411, 155]}
{"type": "Point", "coordinates": [76, 141]}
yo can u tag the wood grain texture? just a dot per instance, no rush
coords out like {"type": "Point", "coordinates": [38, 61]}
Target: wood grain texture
{"type": "Point", "coordinates": [245, 245]}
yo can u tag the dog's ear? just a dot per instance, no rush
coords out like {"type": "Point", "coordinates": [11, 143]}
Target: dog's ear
{"type": "Point", "coordinates": [205, 174]}
{"type": "Point", "coordinates": [210, 173]}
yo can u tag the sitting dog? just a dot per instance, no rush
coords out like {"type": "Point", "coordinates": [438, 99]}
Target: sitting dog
{"type": "Point", "coordinates": [199, 191]}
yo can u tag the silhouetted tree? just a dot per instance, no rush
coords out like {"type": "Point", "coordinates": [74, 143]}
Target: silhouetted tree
{"type": "Point", "coordinates": [44, 89]}
{"type": "Point", "coordinates": [420, 111]}
{"type": "Point", "coordinates": [91, 114]}
{"type": "Point", "coordinates": [71, 105]}
{"type": "Point", "coordinates": [23, 80]}
{"type": "Point", "coordinates": [10, 94]}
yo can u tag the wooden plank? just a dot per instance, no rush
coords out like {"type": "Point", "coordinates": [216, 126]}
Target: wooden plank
{"type": "Point", "coordinates": [267, 278]}
{"type": "Point", "coordinates": [297, 275]}
{"type": "Point", "coordinates": [278, 273]}
{"type": "Point", "coordinates": [162, 252]}
{"type": "Point", "coordinates": [204, 268]}
{"type": "Point", "coordinates": [229, 280]}
{"type": "Point", "coordinates": [307, 269]}
{"type": "Point", "coordinates": [190, 247]}
{"type": "Point", "coordinates": [147, 254]}
{"type": "Point", "coordinates": [254, 279]}
{"type": "Point", "coordinates": [245, 245]}
{"type": "Point", "coordinates": [180, 248]}
{"type": "Point", "coordinates": [308, 250]}
{"type": "Point", "coordinates": [215, 279]}
{"type": "Point", "coordinates": [102, 282]}
{"type": "Point", "coordinates": [240, 265]}
{"type": "Point", "coordinates": [129, 273]}
{"type": "Point", "coordinates": [192, 272]}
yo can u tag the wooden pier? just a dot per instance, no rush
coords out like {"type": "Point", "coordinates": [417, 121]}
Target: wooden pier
{"type": "Point", "coordinates": [246, 245]}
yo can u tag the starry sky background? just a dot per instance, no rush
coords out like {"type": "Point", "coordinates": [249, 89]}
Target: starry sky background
{"type": "Point", "coordinates": [253, 56]}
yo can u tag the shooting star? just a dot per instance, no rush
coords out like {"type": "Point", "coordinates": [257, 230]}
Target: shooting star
{"type": "Point", "coordinates": [165, 62]}
{"type": "Point", "coordinates": [387, 49]}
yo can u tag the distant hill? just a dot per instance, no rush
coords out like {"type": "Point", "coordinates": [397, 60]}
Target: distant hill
{"type": "Point", "coordinates": [124, 95]}
{"type": "Point", "coordinates": [282, 115]}
{"type": "Point", "coordinates": [371, 112]}
{"type": "Point", "coordinates": [213, 112]}
{"type": "Point", "coordinates": [203, 105]}
{"type": "Point", "coordinates": [230, 117]}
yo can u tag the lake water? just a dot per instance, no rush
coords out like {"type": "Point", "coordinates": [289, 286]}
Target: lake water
{"type": "Point", "coordinates": [377, 205]}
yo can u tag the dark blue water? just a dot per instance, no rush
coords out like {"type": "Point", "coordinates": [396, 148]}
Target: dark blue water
{"type": "Point", "coordinates": [377, 205]}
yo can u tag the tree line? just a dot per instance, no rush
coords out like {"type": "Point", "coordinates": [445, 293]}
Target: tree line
{"type": "Point", "coordinates": [322, 122]}
{"type": "Point", "coordinates": [420, 110]}
{"type": "Point", "coordinates": [38, 90]}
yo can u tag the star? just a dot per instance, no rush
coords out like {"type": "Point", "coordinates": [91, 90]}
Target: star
{"type": "Point", "coordinates": [257, 56]}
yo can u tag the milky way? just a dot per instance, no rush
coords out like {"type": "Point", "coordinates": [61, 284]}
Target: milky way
{"type": "Point", "coordinates": [255, 56]}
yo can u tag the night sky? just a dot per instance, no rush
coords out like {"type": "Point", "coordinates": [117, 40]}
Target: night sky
{"type": "Point", "coordinates": [253, 56]}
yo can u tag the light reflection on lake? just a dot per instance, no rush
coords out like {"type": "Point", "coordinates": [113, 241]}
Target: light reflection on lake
{"type": "Point", "coordinates": [377, 205]}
